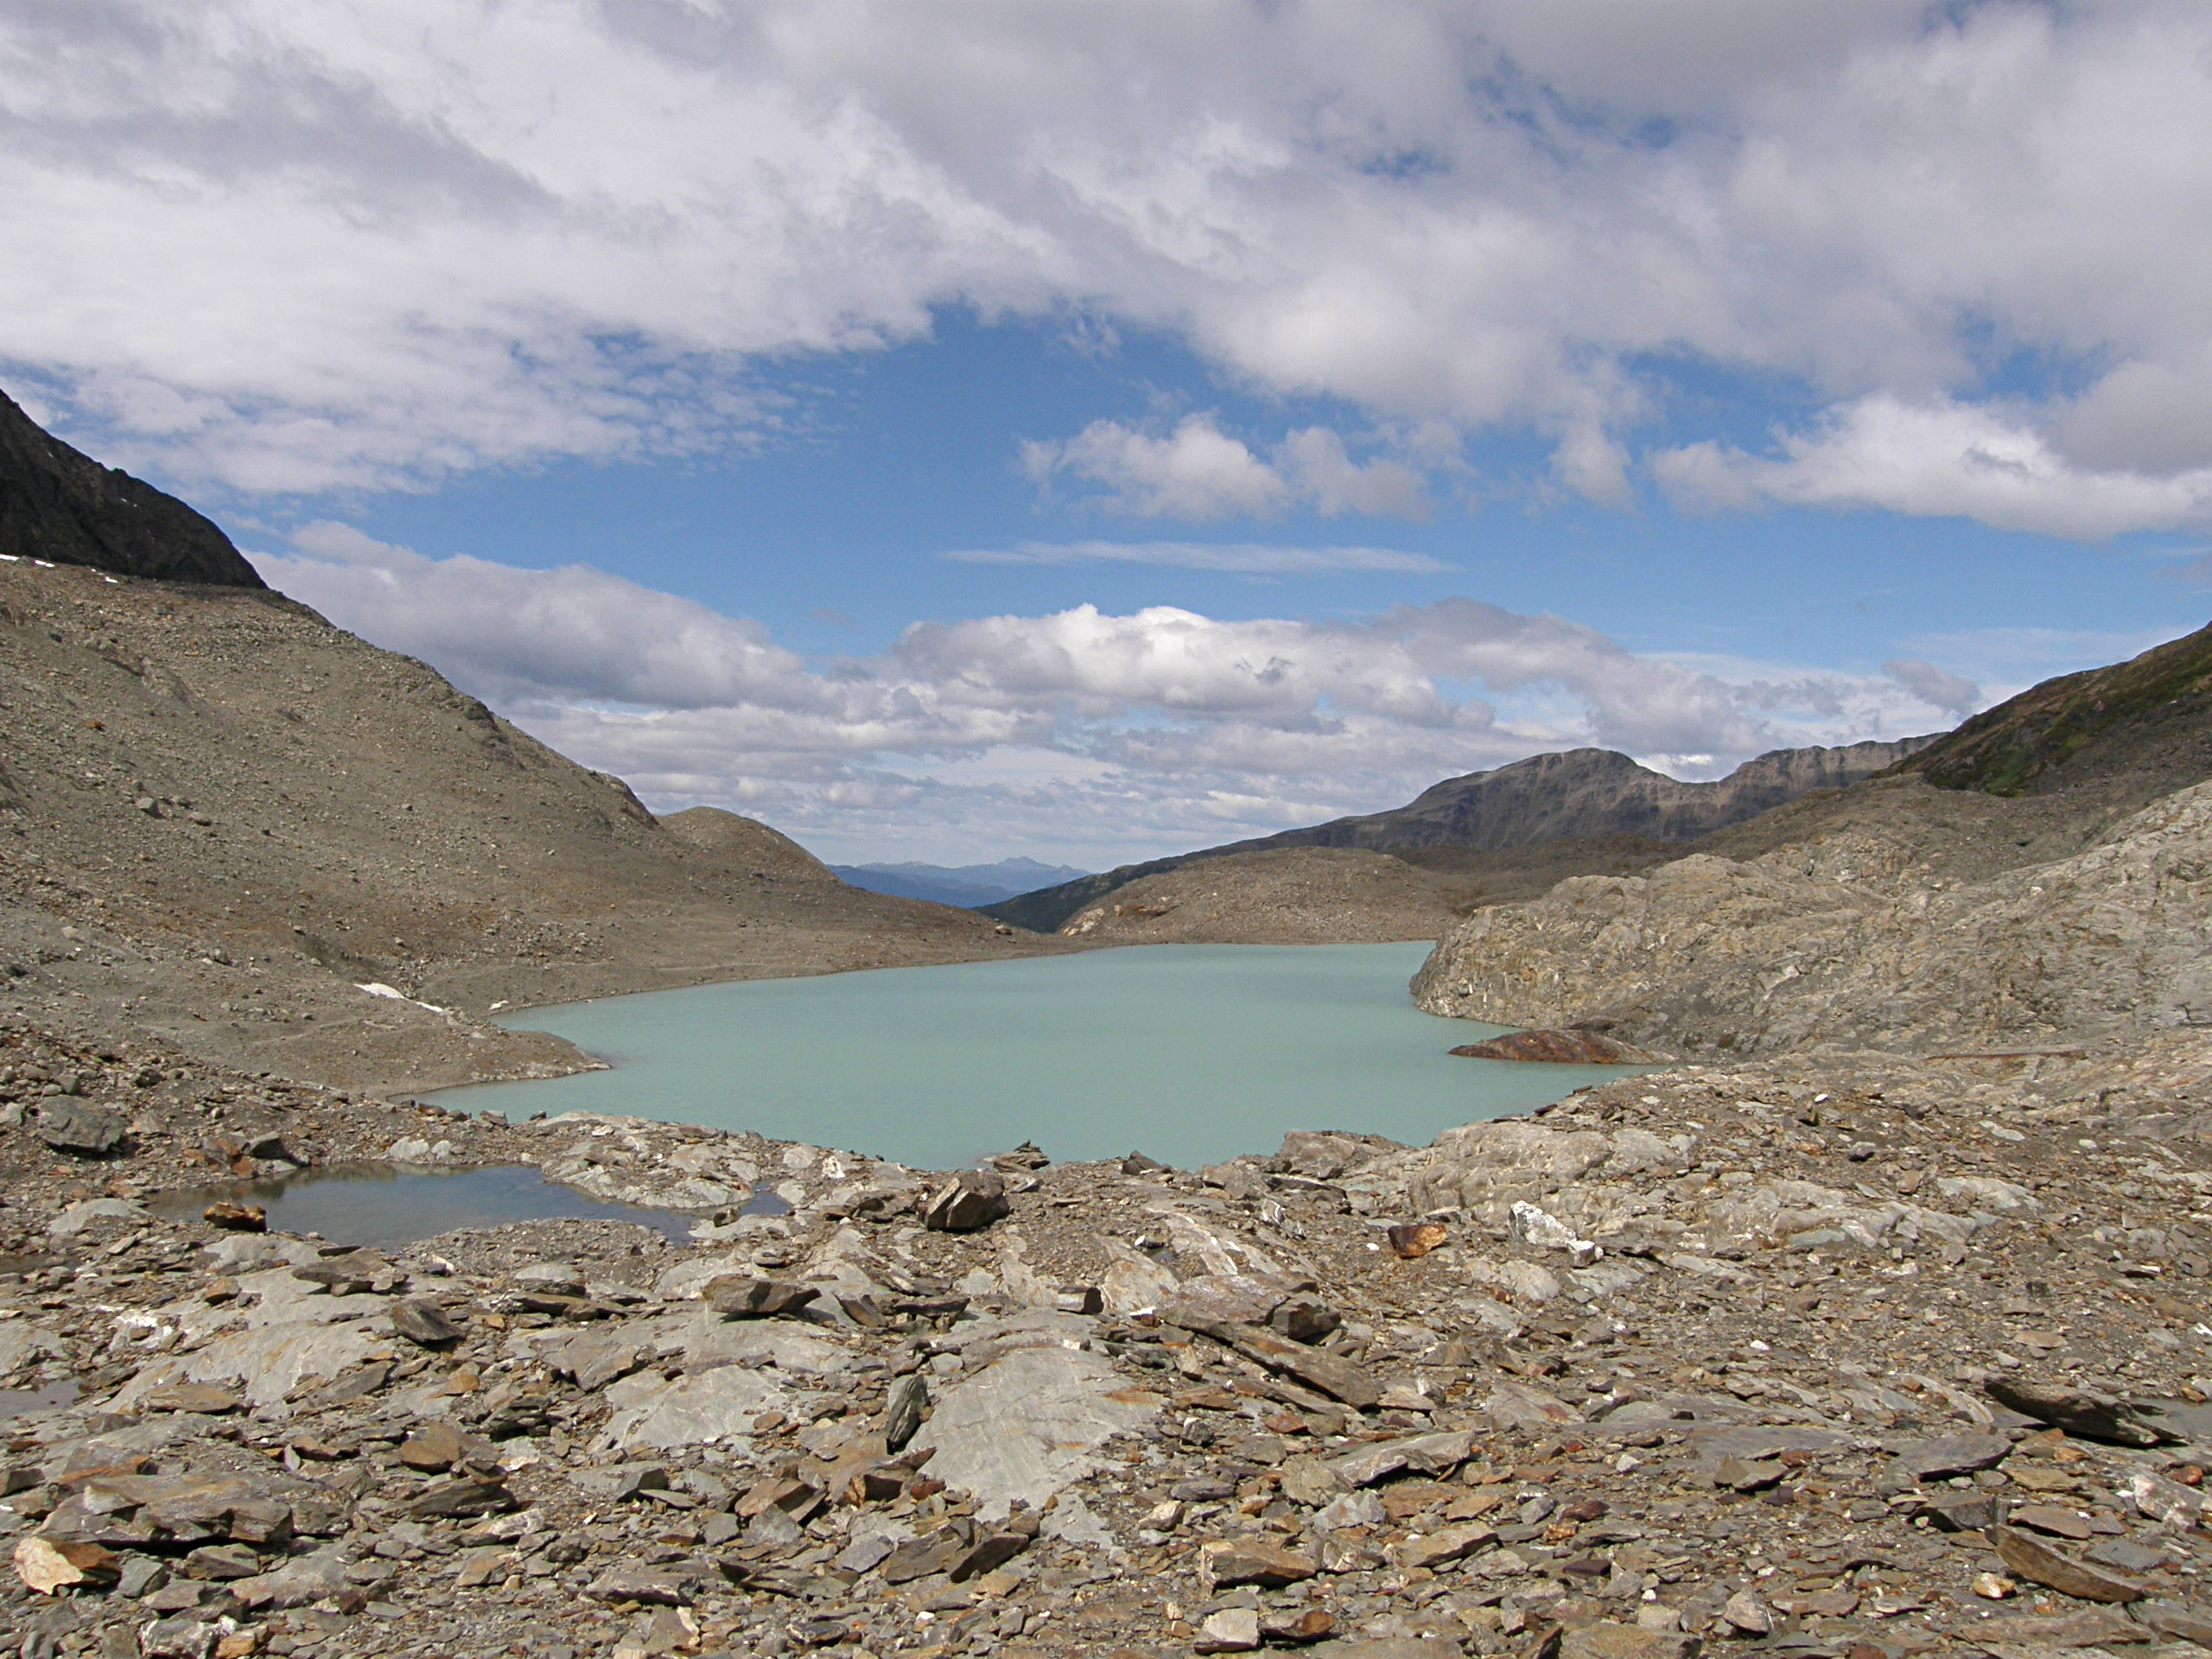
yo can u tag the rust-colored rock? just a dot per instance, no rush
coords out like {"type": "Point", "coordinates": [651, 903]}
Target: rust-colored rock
{"type": "Point", "coordinates": [1414, 1239]}
{"type": "Point", "coordinates": [1567, 1047]}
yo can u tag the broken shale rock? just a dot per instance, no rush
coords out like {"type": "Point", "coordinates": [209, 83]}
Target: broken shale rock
{"type": "Point", "coordinates": [968, 1203]}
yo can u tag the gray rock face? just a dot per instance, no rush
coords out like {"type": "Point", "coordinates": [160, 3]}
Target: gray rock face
{"type": "Point", "coordinates": [61, 504]}
{"type": "Point", "coordinates": [1029, 1424]}
{"type": "Point", "coordinates": [1831, 943]}
{"type": "Point", "coordinates": [89, 1131]}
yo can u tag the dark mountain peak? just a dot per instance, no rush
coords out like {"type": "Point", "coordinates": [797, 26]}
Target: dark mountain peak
{"type": "Point", "coordinates": [59, 505]}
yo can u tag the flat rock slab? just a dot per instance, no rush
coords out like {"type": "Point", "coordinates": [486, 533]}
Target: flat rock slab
{"type": "Point", "coordinates": [1030, 1424]}
{"type": "Point", "coordinates": [1953, 1454]}
{"type": "Point", "coordinates": [2037, 1562]}
{"type": "Point", "coordinates": [652, 1413]}
{"type": "Point", "coordinates": [264, 1365]}
{"type": "Point", "coordinates": [1604, 1639]}
{"type": "Point", "coordinates": [1428, 1454]}
{"type": "Point", "coordinates": [1712, 1447]}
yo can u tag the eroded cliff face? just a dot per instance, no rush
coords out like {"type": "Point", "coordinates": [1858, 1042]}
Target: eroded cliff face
{"type": "Point", "coordinates": [1842, 940]}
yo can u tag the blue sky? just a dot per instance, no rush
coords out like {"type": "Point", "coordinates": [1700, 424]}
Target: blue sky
{"type": "Point", "coordinates": [956, 432]}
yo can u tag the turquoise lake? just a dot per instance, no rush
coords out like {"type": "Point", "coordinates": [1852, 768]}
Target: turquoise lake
{"type": "Point", "coordinates": [1189, 1053]}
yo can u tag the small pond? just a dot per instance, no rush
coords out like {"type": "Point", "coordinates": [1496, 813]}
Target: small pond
{"type": "Point", "coordinates": [380, 1205]}
{"type": "Point", "coordinates": [1190, 1053]}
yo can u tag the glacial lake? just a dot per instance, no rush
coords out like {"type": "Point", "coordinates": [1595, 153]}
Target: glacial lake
{"type": "Point", "coordinates": [1188, 1053]}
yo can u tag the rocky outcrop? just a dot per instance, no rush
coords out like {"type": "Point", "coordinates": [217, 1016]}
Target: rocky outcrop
{"type": "Point", "coordinates": [1557, 1048]}
{"type": "Point", "coordinates": [59, 505]}
{"type": "Point", "coordinates": [1833, 943]}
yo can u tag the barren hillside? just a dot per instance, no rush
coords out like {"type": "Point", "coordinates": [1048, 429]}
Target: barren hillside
{"type": "Point", "coordinates": [219, 815]}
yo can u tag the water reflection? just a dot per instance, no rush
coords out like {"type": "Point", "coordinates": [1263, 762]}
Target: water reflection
{"type": "Point", "coordinates": [383, 1205]}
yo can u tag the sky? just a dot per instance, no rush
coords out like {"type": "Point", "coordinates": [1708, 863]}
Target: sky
{"type": "Point", "coordinates": [1092, 431]}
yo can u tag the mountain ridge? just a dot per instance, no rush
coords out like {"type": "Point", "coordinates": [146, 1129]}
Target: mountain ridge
{"type": "Point", "coordinates": [1568, 793]}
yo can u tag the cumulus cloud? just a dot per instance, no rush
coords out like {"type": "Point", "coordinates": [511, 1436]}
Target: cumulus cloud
{"type": "Point", "coordinates": [1098, 736]}
{"type": "Point", "coordinates": [1943, 459]}
{"type": "Point", "coordinates": [1236, 558]}
{"type": "Point", "coordinates": [297, 247]}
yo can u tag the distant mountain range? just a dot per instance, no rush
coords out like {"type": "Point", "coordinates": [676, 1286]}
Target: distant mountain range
{"type": "Point", "coordinates": [1578, 792]}
{"type": "Point", "coordinates": [968, 886]}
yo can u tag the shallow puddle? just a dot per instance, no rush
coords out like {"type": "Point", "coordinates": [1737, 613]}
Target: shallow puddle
{"type": "Point", "coordinates": [381, 1205]}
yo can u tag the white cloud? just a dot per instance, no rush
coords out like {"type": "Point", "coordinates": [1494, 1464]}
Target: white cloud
{"type": "Point", "coordinates": [1097, 736]}
{"type": "Point", "coordinates": [1936, 687]}
{"type": "Point", "coordinates": [1945, 460]}
{"type": "Point", "coordinates": [1196, 471]}
{"type": "Point", "coordinates": [291, 247]}
{"type": "Point", "coordinates": [1237, 558]}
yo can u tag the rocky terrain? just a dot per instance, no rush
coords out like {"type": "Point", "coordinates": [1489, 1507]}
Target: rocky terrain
{"type": "Point", "coordinates": [1592, 804]}
{"type": "Point", "coordinates": [1841, 1353]}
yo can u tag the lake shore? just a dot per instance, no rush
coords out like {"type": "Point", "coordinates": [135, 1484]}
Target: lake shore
{"type": "Point", "coordinates": [1736, 1367]}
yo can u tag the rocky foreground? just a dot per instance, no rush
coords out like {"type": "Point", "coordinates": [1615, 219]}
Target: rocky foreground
{"type": "Point", "coordinates": [1842, 1354]}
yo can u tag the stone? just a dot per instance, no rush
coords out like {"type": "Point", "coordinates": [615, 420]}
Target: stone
{"type": "Point", "coordinates": [2176, 1619]}
{"type": "Point", "coordinates": [423, 1323]}
{"type": "Point", "coordinates": [1333, 1374]}
{"type": "Point", "coordinates": [2039, 1563]}
{"type": "Point", "coordinates": [1396, 1647]}
{"type": "Point", "coordinates": [2051, 1519]}
{"type": "Point", "coordinates": [1303, 1319]}
{"type": "Point", "coordinates": [1558, 1048]}
{"type": "Point", "coordinates": [1446, 1544]}
{"type": "Point", "coordinates": [1309, 1480]}
{"type": "Point", "coordinates": [1410, 1241]}
{"type": "Point", "coordinates": [182, 1635]}
{"type": "Point", "coordinates": [591, 1362]}
{"type": "Point", "coordinates": [1251, 1560]}
{"type": "Point", "coordinates": [1746, 1612]}
{"type": "Point", "coordinates": [1604, 1639]}
{"type": "Point", "coordinates": [1350, 1509]}
{"type": "Point", "coordinates": [1230, 1630]}
{"type": "Point", "coordinates": [2081, 1412]}
{"type": "Point", "coordinates": [1523, 1406]}
{"type": "Point", "coordinates": [1428, 1454]}
{"type": "Point", "coordinates": [1030, 1424]}
{"type": "Point", "coordinates": [903, 1407]}
{"type": "Point", "coordinates": [1952, 1454]}
{"type": "Point", "coordinates": [299, 1581]}
{"type": "Point", "coordinates": [649, 1586]}
{"type": "Point", "coordinates": [1295, 1627]}
{"type": "Point", "coordinates": [993, 1551]}
{"type": "Point", "coordinates": [440, 1445]}
{"type": "Point", "coordinates": [1965, 1512]}
{"type": "Point", "coordinates": [969, 1202]}
{"type": "Point", "coordinates": [918, 1558]}
{"type": "Point", "coordinates": [204, 1399]}
{"type": "Point", "coordinates": [1739, 1476]}
{"type": "Point", "coordinates": [236, 1217]}
{"type": "Point", "coordinates": [461, 1499]}
{"type": "Point", "coordinates": [652, 1412]}
{"type": "Point", "coordinates": [1225, 1297]}
{"type": "Point", "coordinates": [46, 1567]}
{"type": "Point", "coordinates": [741, 1297]}
{"type": "Point", "coordinates": [83, 1131]}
